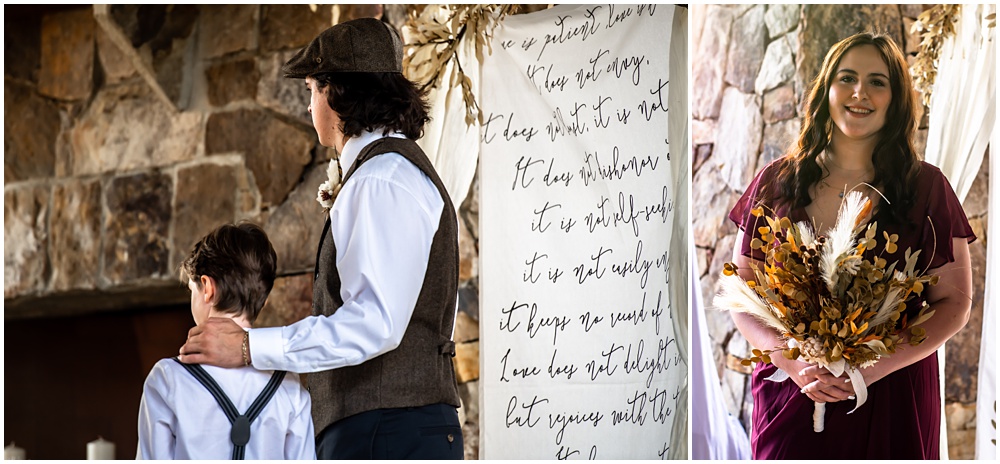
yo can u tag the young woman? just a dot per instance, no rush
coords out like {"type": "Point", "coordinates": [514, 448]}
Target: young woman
{"type": "Point", "coordinates": [857, 135]}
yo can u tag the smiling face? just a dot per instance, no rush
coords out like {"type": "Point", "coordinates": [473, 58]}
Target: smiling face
{"type": "Point", "coordinates": [326, 121]}
{"type": "Point", "coordinates": [860, 94]}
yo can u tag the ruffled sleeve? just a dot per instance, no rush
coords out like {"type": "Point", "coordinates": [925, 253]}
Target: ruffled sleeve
{"type": "Point", "coordinates": [741, 216]}
{"type": "Point", "coordinates": [944, 218]}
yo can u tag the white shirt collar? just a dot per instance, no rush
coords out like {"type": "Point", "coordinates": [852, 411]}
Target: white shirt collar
{"type": "Point", "coordinates": [354, 145]}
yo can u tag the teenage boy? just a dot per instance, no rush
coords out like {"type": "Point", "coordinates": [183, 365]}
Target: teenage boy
{"type": "Point", "coordinates": [379, 346]}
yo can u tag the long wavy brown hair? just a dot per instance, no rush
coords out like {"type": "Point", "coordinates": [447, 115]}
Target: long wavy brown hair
{"type": "Point", "coordinates": [895, 161]}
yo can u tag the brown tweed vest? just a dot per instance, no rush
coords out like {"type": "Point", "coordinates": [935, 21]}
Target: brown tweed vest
{"type": "Point", "coordinates": [419, 371]}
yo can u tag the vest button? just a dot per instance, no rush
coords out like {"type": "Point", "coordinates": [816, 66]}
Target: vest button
{"type": "Point", "coordinates": [451, 438]}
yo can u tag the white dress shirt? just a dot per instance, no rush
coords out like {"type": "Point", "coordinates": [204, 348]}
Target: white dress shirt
{"type": "Point", "coordinates": [383, 223]}
{"type": "Point", "coordinates": [180, 419]}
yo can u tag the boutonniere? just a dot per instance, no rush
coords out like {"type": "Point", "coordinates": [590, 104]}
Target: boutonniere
{"type": "Point", "coordinates": [328, 190]}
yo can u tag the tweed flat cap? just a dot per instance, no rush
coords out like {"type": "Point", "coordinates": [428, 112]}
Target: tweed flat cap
{"type": "Point", "coordinates": [360, 45]}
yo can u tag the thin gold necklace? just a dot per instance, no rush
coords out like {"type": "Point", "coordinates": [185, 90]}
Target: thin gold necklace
{"type": "Point", "coordinates": [840, 194]}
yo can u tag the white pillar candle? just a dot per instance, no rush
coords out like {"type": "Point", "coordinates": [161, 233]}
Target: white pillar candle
{"type": "Point", "coordinates": [100, 449]}
{"type": "Point", "coordinates": [12, 452]}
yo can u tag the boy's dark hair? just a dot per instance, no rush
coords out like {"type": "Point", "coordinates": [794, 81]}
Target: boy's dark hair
{"type": "Point", "coordinates": [242, 262]}
{"type": "Point", "coordinates": [369, 100]}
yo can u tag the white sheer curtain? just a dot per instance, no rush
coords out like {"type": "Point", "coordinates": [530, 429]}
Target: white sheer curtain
{"type": "Point", "coordinates": [987, 388]}
{"type": "Point", "coordinates": [962, 121]}
{"type": "Point", "coordinates": [451, 145]}
{"type": "Point", "coordinates": [715, 434]}
{"type": "Point", "coordinates": [963, 102]}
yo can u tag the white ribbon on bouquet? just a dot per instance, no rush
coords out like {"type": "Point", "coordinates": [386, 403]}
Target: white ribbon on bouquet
{"type": "Point", "coordinates": [837, 369]}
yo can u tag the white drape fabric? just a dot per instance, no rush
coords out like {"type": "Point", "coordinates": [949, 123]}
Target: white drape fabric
{"type": "Point", "coordinates": [678, 130]}
{"type": "Point", "coordinates": [963, 103]}
{"type": "Point", "coordinates": [715, 434]}
{"type": "Point", "coordinates": [451, 145]}
{"type": "Point", "coordinates": [961, 122]}
{"type": "Point", "coordinates": [986, 411]}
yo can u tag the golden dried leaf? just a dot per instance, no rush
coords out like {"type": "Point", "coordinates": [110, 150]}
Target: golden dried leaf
{"type": "Point", "coordinates": [788, 289]}
{"type": "Point", "coordinates": [728, 270]}
{"type": "Point", "coordinates": [923, 316]}
{"type": "Point", "coordinates": [781, 308]}
{"type": "Point", "coordinates": [865, 210]}
{"type": "Point", "coordinates": [836, 353]}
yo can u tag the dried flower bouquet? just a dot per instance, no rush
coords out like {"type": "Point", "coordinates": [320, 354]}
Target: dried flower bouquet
{"type": "Point", "coordinates": [832, 306]}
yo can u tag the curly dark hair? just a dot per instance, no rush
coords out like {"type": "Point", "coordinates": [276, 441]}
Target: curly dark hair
{"type": "Point", "coordinates": [243, 264]}
{"type": "Point", "coordinates": [367, 101]}
{"type": "Point", "coordinates": [895, 161]}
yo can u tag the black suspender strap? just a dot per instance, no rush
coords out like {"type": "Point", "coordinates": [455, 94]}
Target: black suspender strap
{"type": "Point", "coordinates": [240, 434]}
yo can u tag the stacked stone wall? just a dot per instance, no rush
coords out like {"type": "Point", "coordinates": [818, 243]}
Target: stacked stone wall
{"type": "Point", "coordinates": [130, 131]}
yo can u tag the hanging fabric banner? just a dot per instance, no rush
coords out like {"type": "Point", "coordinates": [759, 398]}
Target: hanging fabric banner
{"type": "Point", "coordinates": [580, 356]}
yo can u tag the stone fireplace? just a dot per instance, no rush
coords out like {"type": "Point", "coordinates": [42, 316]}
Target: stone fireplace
{"type": "Point", "coordinates": [129, 132]}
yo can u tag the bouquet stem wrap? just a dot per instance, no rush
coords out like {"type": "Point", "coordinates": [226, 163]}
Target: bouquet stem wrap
{"type": "Point", "coordinates": [819, 417]}
{"type": "Point", "coordinates": [819, 411]}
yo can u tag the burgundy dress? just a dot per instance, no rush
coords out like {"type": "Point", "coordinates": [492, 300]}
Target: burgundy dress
{"type": "Point", "coordinates": [901, 418]}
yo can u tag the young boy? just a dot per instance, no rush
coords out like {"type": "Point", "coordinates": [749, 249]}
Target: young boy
{"type": "Point", "coordinates": [230, 273]}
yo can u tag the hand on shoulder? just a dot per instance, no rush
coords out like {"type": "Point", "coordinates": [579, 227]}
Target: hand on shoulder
{"type": "Point", "coordinates": [217, 342]}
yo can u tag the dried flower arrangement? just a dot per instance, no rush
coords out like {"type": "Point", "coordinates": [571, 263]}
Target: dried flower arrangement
{"type": "Point", "coordinates": [934, 26]}
{"type": "Point", "coordinates": [832, 306]}
{"type": "Point", "coordinates": [433, 36]}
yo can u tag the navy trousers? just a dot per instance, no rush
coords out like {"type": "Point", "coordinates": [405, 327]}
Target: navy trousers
{"type": "Point", "coordinates": [426, 432]}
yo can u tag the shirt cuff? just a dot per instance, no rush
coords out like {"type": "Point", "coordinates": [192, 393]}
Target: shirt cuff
{"type": "Point", "coordinates": [267, 348]}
